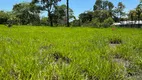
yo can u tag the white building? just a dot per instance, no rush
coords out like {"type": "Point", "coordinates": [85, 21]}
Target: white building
{"type": "Point", "coordinates": [123, 23]}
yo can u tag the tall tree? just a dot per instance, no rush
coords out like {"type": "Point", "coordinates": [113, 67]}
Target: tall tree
{"type": "Point", "coordinates": [110, 8]}
{"type": "Point", "coordinates": [132, 15]}
{"type": "Point", "coordinates": [118, 12]}
{"type": "Point", "coordinates": [86, 16]}
{"type": "Point", "coordinates": [120, 9]}
{"type": "Point", "coordinates": [139, 11]}
{"type": "Point", "coordinates": [141, 8]}
{"type": "Point", "coordinates": [103, 9]}
{"type": "Point", "coordinates": [60, 15]}
{"type": "Point", "coordinates": [49, 6]}
{"type": "Point", "coordinates": [105, 4]}
{"type": "Point", "coordinates": [98, 5]}
{"type": "Point", "coordinates": [26, 12]}
{"type": "Point", "coordinates": [3, 17]}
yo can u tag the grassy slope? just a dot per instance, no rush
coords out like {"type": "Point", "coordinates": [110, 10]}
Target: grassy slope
{"type": "Point", "coordinates": [39, 53]}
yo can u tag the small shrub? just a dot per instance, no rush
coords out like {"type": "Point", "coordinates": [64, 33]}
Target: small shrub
{"type": "Point", "coordinates": [76, 23]}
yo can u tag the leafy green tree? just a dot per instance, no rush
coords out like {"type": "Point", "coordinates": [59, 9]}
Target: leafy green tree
{"type": "Point", "coordinates": [108, 22]}
{"type": "Point", "coordinates": [98, 5]}
{"type": "Point", "coordinates": [12, 18]}
{"type": "Point", "coordinates": [27, 13]}
{"type": "Point", "coordinates": [3, 17]}
{"type": "Point", "coordinates": [139, 11]}
{"type": "Point", "coordinates": [60, 14]}
{"type": "Point", "coordinates": [103, 9]}
{"type": "Point", "coordinates": [103, 5]}
{"type": "Point", "coordinates": [118, 12]}
{"type": "Point", "coordinates": [49, 6]}
{"type": "Point", "coordinates": [120, 9]}
{"type": "Point", "coordinates": [132, 15]}
{"type": "Point", "coordinates": [136, 15]}
{"type": "Point", "coordinates": [101, 14]}
{"type": "Point", "coordinates": [110, 8]}
{"type": "Point", "coordinates": [86, 16]}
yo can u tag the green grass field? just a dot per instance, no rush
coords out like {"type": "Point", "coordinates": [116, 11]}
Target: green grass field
{"type": "Point", "coordinates": [60, 53]}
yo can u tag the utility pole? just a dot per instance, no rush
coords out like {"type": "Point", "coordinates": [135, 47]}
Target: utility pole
{"type": "Point", "coordinates": [68, 24]}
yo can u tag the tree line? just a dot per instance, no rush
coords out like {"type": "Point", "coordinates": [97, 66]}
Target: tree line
{"type": "Point", "coordinates": [103, 15]}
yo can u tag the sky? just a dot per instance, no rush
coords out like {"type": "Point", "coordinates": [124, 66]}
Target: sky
{"type": "Point", "coordinates": [78, 6]}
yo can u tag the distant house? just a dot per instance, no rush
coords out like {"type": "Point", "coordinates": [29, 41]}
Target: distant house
{"type": "Point", "coordinates": [129, 23]}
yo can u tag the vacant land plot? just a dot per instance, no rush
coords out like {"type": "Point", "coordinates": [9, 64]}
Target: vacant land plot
{"type": "Point", "coordinates": [45, 53]}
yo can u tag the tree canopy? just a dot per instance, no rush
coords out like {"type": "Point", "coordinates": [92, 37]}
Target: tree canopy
{"type": "Point", "coordinates": [26, 12]}
{"type": "Point", "coordinates": [49, 6]}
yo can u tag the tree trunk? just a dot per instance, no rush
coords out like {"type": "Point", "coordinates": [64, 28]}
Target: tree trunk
{"type": "Point", "coordinates": [68, 13]}
{"type": "Point", "coordinates": [50, 18]}
{"type": "Point", "coordinates": [120, 17]}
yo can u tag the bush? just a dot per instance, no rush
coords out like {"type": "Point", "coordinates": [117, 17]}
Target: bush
{"type": "Point", "coordinates": [76, 23]}
{"type": "Point", "coordinates": [95, 23]}
{"type": "Point", "coordinates": [9, 23]}
{"type": "Point", "coordinates": [3, 17]}
{"type": "Point", "coordinates": [44, 21]}
{"type": "Point", "coordinates": [107, 22]}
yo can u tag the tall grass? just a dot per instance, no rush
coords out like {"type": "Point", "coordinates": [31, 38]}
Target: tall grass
{"type": "Point", "coordinates": [45, 53]}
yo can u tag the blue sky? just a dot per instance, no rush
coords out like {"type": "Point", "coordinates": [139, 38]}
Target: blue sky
{"type": "Point", "coordinates": [78, 6]}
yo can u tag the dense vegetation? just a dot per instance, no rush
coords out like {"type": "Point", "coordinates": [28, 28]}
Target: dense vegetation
{"type": "Point", "coordinates": [39, 53]}
{"type": "Point", "coordinates": [104, 13]}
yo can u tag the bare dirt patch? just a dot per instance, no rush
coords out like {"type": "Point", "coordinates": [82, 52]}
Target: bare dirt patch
{"type": "Point", "coordinates": [58, 56]}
